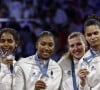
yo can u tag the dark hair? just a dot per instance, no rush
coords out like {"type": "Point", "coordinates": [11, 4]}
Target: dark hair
{"type": "Point", "coordinates": [92, 20]}
{"type": "Point", "coordinates": [45, 33]}
{"type": "Point", "coordinates": [11, 31]}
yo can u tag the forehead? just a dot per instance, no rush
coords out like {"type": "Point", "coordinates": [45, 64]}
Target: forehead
{"type": "Point", "coordinates": [92, 28]}
{"type": "Point", "coordinates": [6, 35]}
{"type": "Point", "coordinates": [75, 40]}
{"type": "Point", "coordinates": [46, 38]}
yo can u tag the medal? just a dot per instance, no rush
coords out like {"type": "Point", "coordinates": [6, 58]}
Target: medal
{"type": "Point", "coordinates": [44, 77]}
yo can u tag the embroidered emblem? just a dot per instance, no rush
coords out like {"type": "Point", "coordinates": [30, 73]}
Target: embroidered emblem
{"type": "Point", "coordinates": [93, 68]}
{"type": "Point", "coordinates": [69, 72]}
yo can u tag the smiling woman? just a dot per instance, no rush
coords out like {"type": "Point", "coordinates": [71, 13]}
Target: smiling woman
{"type": "Point", "coordinates": [9, 39]}
{"type": "Point", "coordinates": [39, 71]}
{"type": "Point", "coordinates": [45, 45]}
{"type": "Point", "coordinates": [69, 61]}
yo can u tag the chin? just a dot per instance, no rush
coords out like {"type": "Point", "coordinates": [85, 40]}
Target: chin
{"type": "Point", "coordinates": [45, 57]}
{"type": "Point", "coordinates": [78, 58]}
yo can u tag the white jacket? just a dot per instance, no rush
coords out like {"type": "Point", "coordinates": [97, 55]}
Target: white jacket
{"type": "Point", "coordinates": [93, 66]}
{"type": "Point", "coordinates": [67, 81]}
{"type": "Point", "coordinates": [5, 77]}
{"type": "Point", "coordinates": [27, 73]}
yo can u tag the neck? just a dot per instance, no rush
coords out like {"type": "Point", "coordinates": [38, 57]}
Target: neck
{"type": "Point", "coordinates": [76, 59]}
{"type": "Point", "coordinates": [95, 48]}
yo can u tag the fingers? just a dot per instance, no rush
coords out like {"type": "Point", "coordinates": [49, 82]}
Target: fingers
{"type": "Point", "coordinates": [7, 61]}
{"type": "Point", "coordinates": [40, 85]}
{"type": "Point", "coordinates": [83, 73]}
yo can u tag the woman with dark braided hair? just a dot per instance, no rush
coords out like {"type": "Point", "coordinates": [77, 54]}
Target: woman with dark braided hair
{"type": "Point", "coordinates": [89, 65]}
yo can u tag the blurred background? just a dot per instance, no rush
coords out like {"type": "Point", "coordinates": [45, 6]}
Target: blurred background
{"type": "Point", "coordinates": [31, 17]}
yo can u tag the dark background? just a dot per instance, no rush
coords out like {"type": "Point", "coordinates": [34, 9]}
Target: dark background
{"type": "Point", "coordinates": [31, 17]}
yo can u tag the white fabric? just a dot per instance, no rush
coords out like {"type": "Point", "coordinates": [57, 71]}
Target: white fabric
{"type": "Point", "coordinates": [67, 82]}
{"type": "Point", "coordinates": [93, 79]}
{"type": "Point", "coordinates": [27, 73]}
{"type": "Point", "coordinates": [5, 77]}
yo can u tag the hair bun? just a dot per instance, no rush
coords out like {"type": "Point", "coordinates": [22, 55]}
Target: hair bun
{"type": "Point", "coordinates": [94, 16]}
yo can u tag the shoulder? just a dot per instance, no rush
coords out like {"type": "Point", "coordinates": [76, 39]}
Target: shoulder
{"type": "Point", "coordinates": [64, 61]}
{"type": "Point", "coordinates": [87, 54]}
{"type": "Point", "coordinates": [26, 60]}
{"type": "Point", "coordinates": [24, 63]}
{"type": "Point", "coordinates": [54, 64]}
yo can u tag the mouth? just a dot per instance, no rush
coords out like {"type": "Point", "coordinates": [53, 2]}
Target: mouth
{"type": "Point", "coordinates": [46, 53]}
{"type": "Point", "coordinates": [77, 52]}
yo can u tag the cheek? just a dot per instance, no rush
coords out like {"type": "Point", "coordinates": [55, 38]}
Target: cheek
{"type": "Point", "coordinates": [13, 46]}
{"type": "Point", "coordinates": [53, 48]}
{"type": "Point", "coordinates": [1, 45]}
{"type": "Point", "coordinates": [71, 51]}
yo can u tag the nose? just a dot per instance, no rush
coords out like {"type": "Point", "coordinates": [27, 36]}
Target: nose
{"type": "Point", "coordinates": [75, 47]}
{"type": "Point", "coordinates": [46, 47]}
{"type": "Point", "coordinates": [6, 43]}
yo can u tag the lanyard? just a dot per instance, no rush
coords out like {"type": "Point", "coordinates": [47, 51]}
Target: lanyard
{"type": "Point", "coordinates": [73, 75]}
{"type": "Point", "coordinates": [11, 68]}
{"type": "Point", "coordinates": [91, 56]}
{"type": "Point", "coordinates": [42, 69]}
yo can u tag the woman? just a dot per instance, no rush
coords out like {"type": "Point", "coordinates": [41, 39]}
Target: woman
{"type": "Point", "coordinates": [39, 71]}
{"type": "Point", "coordinates": [89, 65]}
{"type": "Point", "coordinates": [69, 61]}
{"type": "Point", "coordinates": [9, 39]}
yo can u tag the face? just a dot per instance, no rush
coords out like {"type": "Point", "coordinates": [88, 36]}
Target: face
{"type": "Point", "coordinates": [45, 47]}
{"type": "Point", "coordinates": [7, 42]}
{"type": "Point", "coordinates": [92, 34]}
{"type": "Point", "coordinates": [77, 47]}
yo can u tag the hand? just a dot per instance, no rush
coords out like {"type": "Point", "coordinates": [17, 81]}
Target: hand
{"type": "Point", "coordinates": [7, 61]}
{"type": "Point", "coordinates": [83, 74]}
{"type": "Point", "coordinates": [40, 85]}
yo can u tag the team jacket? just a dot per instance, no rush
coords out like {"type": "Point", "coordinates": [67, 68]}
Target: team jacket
{"type": "Point", "coordinates": [93, 65]}
{"type": "Point", "coordinates": [27, 73]}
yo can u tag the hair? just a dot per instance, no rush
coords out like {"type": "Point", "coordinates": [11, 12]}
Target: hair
{"type": "Point", "coordinates": [12, 32]}
{"type": "Point", "coordinates": [77, 34]}
{"type": "Point", "coordinates": [92, 20]}
{"type": "Point", "coordinates": [73, 35]}
{"type": "Point", "coordinates": [45, 33]}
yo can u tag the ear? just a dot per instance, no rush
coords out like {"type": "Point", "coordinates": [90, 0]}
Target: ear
{"type": "Point", "coordinates": [17, 43]}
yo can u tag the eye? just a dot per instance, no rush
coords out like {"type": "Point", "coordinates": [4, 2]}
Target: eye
{"type": "Point", "coordinates": [2, 40]}
{"type": "Point", "coordinates": [43, 43]}
{"type": "Point", "coordinates": [50, 44]}
{"type": "Point", "coordinates": [95, 33]}
{"type": "Point", "coordinates": [10, 40]}
{"type": "Point", "coordinates": [89, 34]}
{"type": "Point", "coordinates": [79, 44]}
{"type": "Point", "coordinates": [71, 45]}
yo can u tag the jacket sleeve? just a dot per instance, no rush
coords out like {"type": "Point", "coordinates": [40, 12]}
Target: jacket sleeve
{"type": "Point", "coordinates": [18, 79]}
{"type": "Point", "coordinates": [5, 77]}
